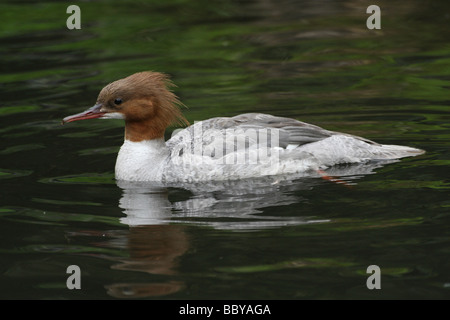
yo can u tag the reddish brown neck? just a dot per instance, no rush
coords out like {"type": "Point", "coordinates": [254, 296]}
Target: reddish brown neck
{"type": "Point", "coordinates": [142, 130]}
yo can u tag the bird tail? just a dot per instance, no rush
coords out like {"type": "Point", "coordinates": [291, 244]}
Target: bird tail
{"type": "Point", "coordinates": [390, 151]}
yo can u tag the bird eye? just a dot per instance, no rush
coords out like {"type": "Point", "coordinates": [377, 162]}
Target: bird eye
{"type": "Point", "coordinates": [118, 101]}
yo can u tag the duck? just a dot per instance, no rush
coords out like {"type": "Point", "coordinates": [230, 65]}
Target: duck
{"type": "Point", "coordinates": [249, 145]}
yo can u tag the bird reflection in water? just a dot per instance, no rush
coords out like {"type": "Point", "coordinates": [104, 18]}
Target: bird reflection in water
{"type": "Point", "coordinates": [158, 236]}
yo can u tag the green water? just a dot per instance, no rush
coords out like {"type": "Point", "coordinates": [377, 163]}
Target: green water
{"type": "Point", "coordinates": [315, 61]}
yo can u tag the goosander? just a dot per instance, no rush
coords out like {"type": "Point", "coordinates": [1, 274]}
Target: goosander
{"type": "Point", "coordinates": [223, 148]}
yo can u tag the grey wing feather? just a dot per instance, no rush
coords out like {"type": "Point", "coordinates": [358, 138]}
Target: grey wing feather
{"type": "Point", "coordinates": [290, 131]}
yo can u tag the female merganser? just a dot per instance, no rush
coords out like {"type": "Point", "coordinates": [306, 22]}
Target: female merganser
{"type": "Point", "coordinates": [244, 146]}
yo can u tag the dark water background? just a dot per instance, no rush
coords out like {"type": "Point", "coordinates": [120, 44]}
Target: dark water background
{"type": "Point", "coordinates": [315, 61]}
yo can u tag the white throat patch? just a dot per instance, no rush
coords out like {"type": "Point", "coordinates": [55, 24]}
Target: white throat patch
{"type": "Point", "coordinates": [113, 115]}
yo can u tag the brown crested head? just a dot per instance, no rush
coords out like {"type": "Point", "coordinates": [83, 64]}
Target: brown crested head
{"type": "Point", "coordinates": [146, 103]}
{"type": "Point", "coordinates": [144, 100]}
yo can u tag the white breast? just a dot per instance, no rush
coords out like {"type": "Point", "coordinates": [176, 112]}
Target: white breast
{"type": "Point", "coordinates": [141, 161]}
